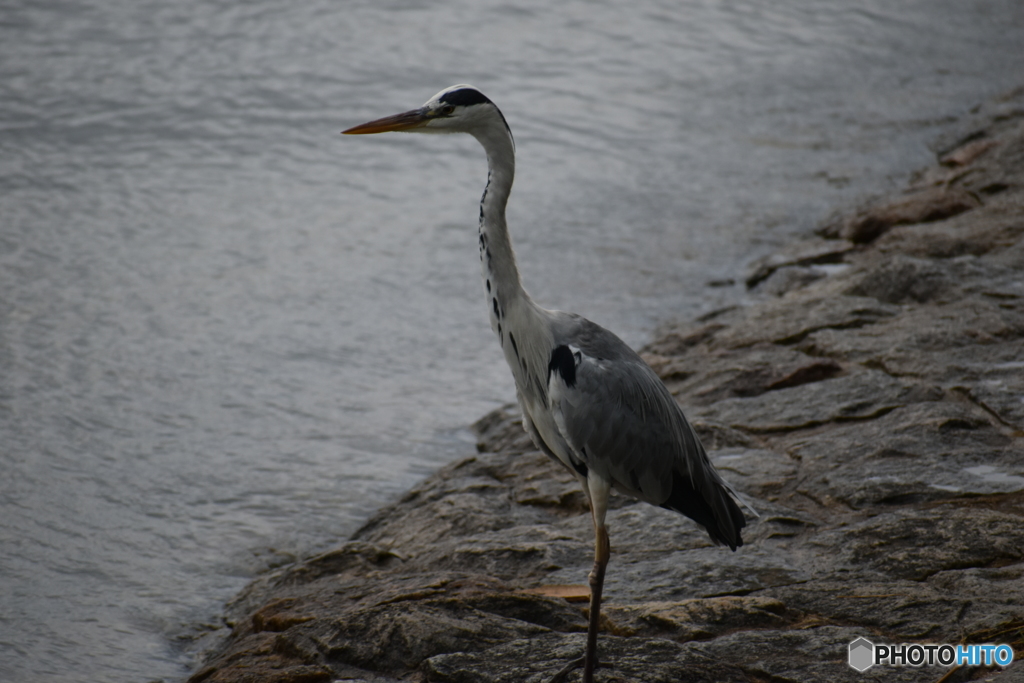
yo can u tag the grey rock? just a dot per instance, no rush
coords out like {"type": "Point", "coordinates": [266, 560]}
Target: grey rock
{"type": "Point", "coordinates": [860, 396]}
{"type": "Point", "coordinates": [706, 375]}
{"type": "Point", "coordinates": [800, 255]}
{"type": "Point", "coordinates": [918, 453]}
{"type": "Point", "coordinates": [638, 660]}
{"type": "Point", "coordinates": [788, 278]}
{"type": "Point", "coordinates": [791, 319]}
{"type": "Point", "coordinates": [902, 278]}
{"type": "Point", "coordinates": [917, 543]}
{"type": "Point", "coordinates": [398, 636]}
{"type": "Point", "coordinates": [922, 206]}
{"type": "Point", "coordinates": [815, 653]}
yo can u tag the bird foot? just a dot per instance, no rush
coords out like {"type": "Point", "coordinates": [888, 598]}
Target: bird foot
{"type": "Point", "coordinates": [563, 675]}
{"type": "Point", "coordinates": [568, 669]}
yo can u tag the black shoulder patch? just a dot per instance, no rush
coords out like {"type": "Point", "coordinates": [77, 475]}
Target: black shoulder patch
{"type": "Point", "coordinates": [464, 97]}
{"type": "Point", "coordinates": [564, 364]}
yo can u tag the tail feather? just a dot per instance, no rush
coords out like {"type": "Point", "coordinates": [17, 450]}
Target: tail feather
{"type": "Point", "coordinates": [714, 509]}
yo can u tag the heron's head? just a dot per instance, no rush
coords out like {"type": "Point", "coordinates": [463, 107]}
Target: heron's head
{"type": "Point", "coordinates": [457, 109]}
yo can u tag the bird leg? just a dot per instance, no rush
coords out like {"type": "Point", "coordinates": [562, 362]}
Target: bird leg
{"type": "Point", "coordinates": [597, 491]}
{"type": "Point", "coordinates": [601, 552]}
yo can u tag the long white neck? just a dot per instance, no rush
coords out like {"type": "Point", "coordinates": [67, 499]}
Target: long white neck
{"type": "Point", "coordinates": [497, 258]}
{"type": "Point", "coordinates": [520, 324]}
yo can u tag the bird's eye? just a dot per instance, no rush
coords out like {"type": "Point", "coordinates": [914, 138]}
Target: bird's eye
{"type": "Point", "coordinates": [448, 110]}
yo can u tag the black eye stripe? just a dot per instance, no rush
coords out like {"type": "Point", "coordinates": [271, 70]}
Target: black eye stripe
{"type": "Point", "coordinates": [467, 96]}
{"type": "Point", "coordinates": [464, 97]}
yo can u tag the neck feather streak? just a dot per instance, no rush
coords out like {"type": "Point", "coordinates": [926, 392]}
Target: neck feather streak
{"type": "Point", "coordinates": [497, 257]}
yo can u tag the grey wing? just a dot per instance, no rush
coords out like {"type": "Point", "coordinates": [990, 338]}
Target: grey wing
{"type": "Point", "coordinates": [623, 423]}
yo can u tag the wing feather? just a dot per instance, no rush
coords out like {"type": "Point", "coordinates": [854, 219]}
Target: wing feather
{"type": "Point", "coordinates": [623, 423]}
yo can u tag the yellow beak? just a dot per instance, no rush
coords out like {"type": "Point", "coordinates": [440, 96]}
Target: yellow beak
{"type": "Point", "coordinates": [404, 121]}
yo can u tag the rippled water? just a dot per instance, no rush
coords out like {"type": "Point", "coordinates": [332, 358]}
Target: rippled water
{"type": "Point", "coordinates": [227, 334]}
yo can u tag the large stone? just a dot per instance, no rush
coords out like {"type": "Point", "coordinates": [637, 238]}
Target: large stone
{"type": "Point", "coordinates": [924, 206]}
{"type": "Point", "coordinates": [799, 255]}
{"type": "Point", "coordinates": [917, 543]}
{"type": "Point", "coordinates": [791, 319]}
{"type": "Point", "coordinates": [633, 660]}
{"type": "Point", "coordinates": [707, 375]}
{"type": "Point", "coordinates": [860, 396]}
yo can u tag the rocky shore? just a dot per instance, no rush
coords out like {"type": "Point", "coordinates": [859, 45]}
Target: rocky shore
{"type": "Point", "coordinates": [870, 403]}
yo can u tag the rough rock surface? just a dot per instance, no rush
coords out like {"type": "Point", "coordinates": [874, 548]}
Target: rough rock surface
{"type": "Point", "coordinates": [872, 410]}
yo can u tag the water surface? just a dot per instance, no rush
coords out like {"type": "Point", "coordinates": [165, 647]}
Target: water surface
{"type": "Point", "coordinates": [228, 334]}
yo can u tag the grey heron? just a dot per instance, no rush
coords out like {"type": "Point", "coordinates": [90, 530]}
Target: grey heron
{"type": "Point", "coordinates": [588, 400]}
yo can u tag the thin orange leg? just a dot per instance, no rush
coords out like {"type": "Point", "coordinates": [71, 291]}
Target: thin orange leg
{"type": "Point", "coordinates": [601, 552]}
